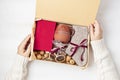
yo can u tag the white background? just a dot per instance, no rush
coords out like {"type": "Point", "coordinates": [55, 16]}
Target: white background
{"type": "Point", "coordinates": [16, 19]}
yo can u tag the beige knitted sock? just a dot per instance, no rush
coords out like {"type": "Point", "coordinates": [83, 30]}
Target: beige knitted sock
{"type": "Point", "coordinates": [80, 39]}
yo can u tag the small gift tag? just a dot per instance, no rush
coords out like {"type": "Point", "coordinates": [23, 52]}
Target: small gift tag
{"type": "Point", "coordinates": [77, 48]}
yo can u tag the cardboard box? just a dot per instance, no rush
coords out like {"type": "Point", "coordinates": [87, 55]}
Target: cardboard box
{"type": "Point", "coordinates": [82, 48]}
{"type": "Point", "coordinates": [78, 12]}
{"type": "Point", "coordinates": [74, 12]}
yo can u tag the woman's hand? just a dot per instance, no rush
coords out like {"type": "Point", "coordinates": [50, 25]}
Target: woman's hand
{"type": "Point", "coordinates": [96, 32]}
{"type": "Point", "coordinates": [24, 48]}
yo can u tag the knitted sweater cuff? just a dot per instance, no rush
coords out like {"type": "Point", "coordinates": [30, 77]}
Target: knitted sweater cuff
{"type": "Point", "coordinates": [21, 60]}
{"type": "Point", "coordinates": [99, 49]}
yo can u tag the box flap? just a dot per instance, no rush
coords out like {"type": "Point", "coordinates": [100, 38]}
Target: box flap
{"type": "Point", "coordinates": [79, 12]}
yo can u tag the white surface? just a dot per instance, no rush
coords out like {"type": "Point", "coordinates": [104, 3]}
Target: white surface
{"type": "Point", "coordinates": [16, 18]}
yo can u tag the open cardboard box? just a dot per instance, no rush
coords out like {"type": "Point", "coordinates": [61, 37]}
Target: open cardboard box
{"type": "Point", "coordinates": [75, 12]}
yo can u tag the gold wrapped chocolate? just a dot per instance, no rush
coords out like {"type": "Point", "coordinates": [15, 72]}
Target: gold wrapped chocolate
{"type": "Point", "coordinates": [42, 53]}
{"type": "Point", "coordinates": [61, 58]}
{"type": "Point", "coordinates": [68, 58]}
{"type": "Point", "coordinates": [46, 55]}
{"type": "Point", "coordinates": [72, 62]}
{"type": "Point", "coordinates": [39, 56]}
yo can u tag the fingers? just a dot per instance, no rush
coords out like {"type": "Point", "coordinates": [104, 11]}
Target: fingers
{"type": "Point", "coordinates": [97, 26]}
{"type": "Point", "coordinates": [28, 50]}
{"type": "Point", "coordinates": [91, 29]}
{"type": "Point", "coordinates": [24, 44]}
{"type": "Point", "coordinates": [95, 31]}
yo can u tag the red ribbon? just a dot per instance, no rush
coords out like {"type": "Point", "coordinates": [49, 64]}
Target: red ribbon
{"type": "Point", "coordinates": [74, 49]}
{"type": "Point", "coordinates": [56, 50]}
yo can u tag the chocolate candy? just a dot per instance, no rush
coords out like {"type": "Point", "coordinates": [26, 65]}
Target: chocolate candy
{"type": "Point", "coordinates": [60, 58]}
{"type": "Point", "coordinates": [72, 62]}
{"type": "Point", "coordinates": [52, 57]}
{"type": "Point", "coordinates": [46, 55]}
{"type": "Point", "coordinates": [42, 53]}
{"type": "Point", "coordinates": [68, 58]}
{"type": "Point", "coordinates": [35, 52]}
{"type": "Point", "coordinates": [39, 56]}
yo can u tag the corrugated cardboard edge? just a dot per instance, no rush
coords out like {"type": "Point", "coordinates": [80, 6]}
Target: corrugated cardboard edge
{"type": "Point", "coordinates": [32, 56]}
{"type": "Point", "coordinates": [88, 56]}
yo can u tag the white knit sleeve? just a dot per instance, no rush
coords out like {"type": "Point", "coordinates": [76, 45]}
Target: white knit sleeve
{"type": "Point", "coordinates": [18, 70]}
{"type": "Point", "coordinates": [103, 59]}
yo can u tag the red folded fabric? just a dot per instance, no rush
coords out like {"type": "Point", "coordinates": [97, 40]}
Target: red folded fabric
{"type": "Point", "coordinates": [44, 34]}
